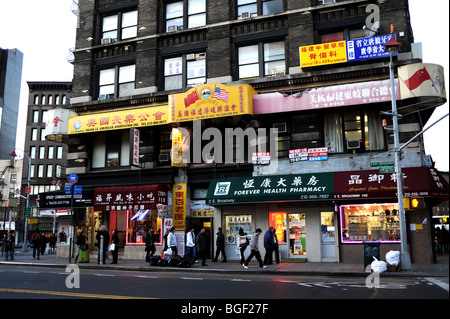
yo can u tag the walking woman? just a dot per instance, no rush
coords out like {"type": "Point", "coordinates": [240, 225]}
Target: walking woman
{"type": "Point", "coordinates": [115, 252]}
{"type": "Point", "coordinates": [242, 243]}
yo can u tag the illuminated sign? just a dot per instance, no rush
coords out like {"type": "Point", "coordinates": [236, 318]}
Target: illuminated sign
{"type": "Point", "coordinates": [211, 100]}
{"type": "Point", "coordinates": [322, 54]}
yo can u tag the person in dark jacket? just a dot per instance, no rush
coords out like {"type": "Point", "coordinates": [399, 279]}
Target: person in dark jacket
{"type": "Point", "coordinates": [81, 243]}
{"type": "Point", "coordinates": [115, 252]}
{"type": "Point", "coordinates": [269, 246]}
{"type": "Point", "coordinates": [202, 246]}
{"type": "Point", "coordinates": [105, 235]}
{"type": "Point", "coordinates": [52, 243]}
{"type": "Point", "coordinates": [220, 243]}
{"type": "Point", "coordinates": [149, 244]}
{"type": "Point", "coordinates": [9, 246]}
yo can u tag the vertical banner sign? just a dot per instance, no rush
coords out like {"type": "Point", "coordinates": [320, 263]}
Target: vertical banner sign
{"type": "Point", "coordinates": [179, 206]}
{"type": "Point", "coordinates": [177, 147]}
{"type": "Point", "coordinates": [134, 135]}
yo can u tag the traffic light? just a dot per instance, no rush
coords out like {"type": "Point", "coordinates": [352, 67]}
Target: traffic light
{"type": "Point", "coordinates": [412, 203]}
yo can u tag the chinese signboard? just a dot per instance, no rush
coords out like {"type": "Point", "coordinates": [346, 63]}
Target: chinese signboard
{"type": "Point", "coordinates": [308, 154]}
{"type": "Point", "coordinates": [322, 54]}
{"type": "Point", "coordinates": [271, 188]}
{"type": "Point", "coordinates": [179, 206]}
{"type": "Point", "coordinates": [344, 51]}
{"type": "Point", "coordinates": [368, 48]}
{"type": "Point", "coordinates": [261, 158]}
{"type": "Point", "coordinates": [211, 100]}
{"type": "Point", "coordinates": [326, 97]}
{"type": "Point", "coordinates": [129, 197]}
{"type": "Point", "coordinates": [134, 135]}
{"type": "Point", "coordinates": [177, 147]}
{"type": "Point", "coordinates": [149, 116]}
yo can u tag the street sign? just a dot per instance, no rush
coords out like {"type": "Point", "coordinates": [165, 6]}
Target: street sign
{"type": "Point", "coordinates": [384, 167]}
{"type": "Point", "coordinates": [68, 189]}
{"type": "Point", "coordinates": [73, 178]}
{"type": "Point", "coordinates": [77, 189]}
{"type": "Point", "coordinates": [27, 212]}
{"type": "Point", "coordinates": [381, 164]}
{"type": "Point", "coordinates": [28, 190]}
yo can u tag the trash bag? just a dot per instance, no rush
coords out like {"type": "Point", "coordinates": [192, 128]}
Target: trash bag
{"type": "Point", "coordinates": [378, 265]}
{"type": "Point", "coordinates": [393, 257]}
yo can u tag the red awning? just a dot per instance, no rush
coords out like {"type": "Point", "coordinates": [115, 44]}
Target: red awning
{"type": "Point", "coordinates": [417, 181]}
{"type": "Point", "coordinates": [129, 197]}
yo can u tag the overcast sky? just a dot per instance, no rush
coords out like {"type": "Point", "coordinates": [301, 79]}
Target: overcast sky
{"type": "Point", "coordinates": [44, 30]}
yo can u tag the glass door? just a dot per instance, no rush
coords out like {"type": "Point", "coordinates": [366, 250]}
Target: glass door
{"type": "Point", "coordinates": [297, 235]}
{"type": "Point", "coordinates": [328, 235]}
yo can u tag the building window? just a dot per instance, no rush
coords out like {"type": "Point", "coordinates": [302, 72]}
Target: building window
{"type": "Point", "coordinates": [49, 170]}
{"type": "Point", "coordinates": [35, 116]}
{"type": "Point", "coordinates": [33, 152]}
{"type": "Point", "coordinates": [346, 34]}
{"type": "Point", "coordinates": [59, 152]}
{"type": "Point", "coordinates": [44, 117]}
{"type": "Point", "coordinates": [354, 131]}
{"type": "Point", "coordinates": [34, 134]}
{"type": "Point", "coordinates": [41, 152]}
{"type": "Point", "coordinates": [117, 82]}
{"type": "Point", "coordinates": [50, 152]}
{"type": "Point", "coordinates": [261, 60]}
{"type": "Point", "coordinates": [43, 134]}
{"type": "Point", "coordinates": [186, 70]}
{"type": "Point", "coordinates": [119, 27]}
{"type": "Point", "coordinates": [252, 8]}
{"type": "Point", "coordinates": [111, 149]}
{"type": "Point", "coordinates": [185, 14]}
{"type": "Point", "coordinates": [40, 170]}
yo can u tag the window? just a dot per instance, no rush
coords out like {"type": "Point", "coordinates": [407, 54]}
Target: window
{"type": "Point", "coordinates": [355, 130]}
{"type": "Point", "coordinates": [263, 59]}
{"type": "Point", "coordinates": [178, 18]}
{"type": "Point", "coordinates": [50, 152]}
{"type": "Point", "coordinates": [186, 70]}
{"type": "Point", "coordinates": [111, 149]}
{"type": "Point", "coordinates": [44, 117]}
{"type": "Point", "coordinates": [251, 8]}
{"type": "Point", "coordinates": [232, 225]}
{"type": "Point", "coordinates": [41, 152]}
{"type": "Point", "coordinates": [59, 152]}
{"type": "Point", "coordinates": [40, 170]}
{"type": "Point", "coordinates": [345, 34]}
{"type": "Point", "coordinates": [117, 82]}
{"type": "Point", "coordinates": [49, 170]}
{"type": "Point", "coordinates": [119, 26]}
{"type": "Point", "coordinates": [33, 152]}
{"type": "Point", "coordinates": [34, 134]}
{"type": "Point", "coordinates": [42, 134]}
{"type": "Point", "coordinates": [35, 116]}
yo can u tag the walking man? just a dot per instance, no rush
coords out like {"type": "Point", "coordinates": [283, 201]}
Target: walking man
{"type": "Point", "coordinates": [220, 243]}
{"type": "Point", "coordinates": [254, 250]}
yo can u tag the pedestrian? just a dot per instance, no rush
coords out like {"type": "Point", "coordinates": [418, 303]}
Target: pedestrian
{"type": "Point", "coordinates": [9, 246]}
{"type": "Point", "coordinates": [254, 250]}
{"type": "Point", "coordinates": [52, 243]}
{"type": "Point", "coordinates": [44, 241]}
{"type": "Point", "coordinates": [190, 244]}
{"type": "Point", "coordinates": [276, 248]}
{"type": "Point", "coordinates": [269, 246]}
{"type": "Point", "coordinates": [62, 236]}
{"type": "Point", "coordinates": [36, 241]}
{"type": "Point", "coordinates": [81, 243]}
{"type": "Point", "coordinates": [104, 249]}
{"type": "Point", "coordinates": [202, 246]}
{"type": "Point", "coordinates": [242, 244]}
{"type": "Point", "coordinates": [220, 243]}
{"type": "Point", "coordinates": [115, 241]}
{"type": "Point", "coordinates": [166, 235]}
{"type": "Point", "coordinates": [172, 242]}
{"type": "Point", "coordinates": [149, 244]}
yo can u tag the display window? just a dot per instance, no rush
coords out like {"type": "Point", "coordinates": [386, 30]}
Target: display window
{"type": "Point", "coordinates": [327, 228]}
{"type": "Point", "coordinates": [234, 223]}
{"type": "Point", "coordinates": [139, 222]}
{"type": "Point", "coordinates": [297, 234]}
{"type": "Point", "coordinates": [278, 222]}
{"type": "Point", "coordinates": [370, 222]}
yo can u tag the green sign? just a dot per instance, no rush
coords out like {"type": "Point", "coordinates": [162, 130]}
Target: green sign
{"type": "Point", "coordinates": [381, 164]}
{"type": "Point", "coordinates": [318, 186]}
{"type": "Point", "coordinates": [27, 212]}
{"type": "Point", "coordinates": [386, 169]}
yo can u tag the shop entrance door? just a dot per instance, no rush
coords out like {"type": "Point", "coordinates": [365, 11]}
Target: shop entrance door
{"type": "Point", "coordinates": [328, 236]}
{"type": "Point", "coordinates": [297, 235]}
{"type": "Point", "coordinates": [199, 223]}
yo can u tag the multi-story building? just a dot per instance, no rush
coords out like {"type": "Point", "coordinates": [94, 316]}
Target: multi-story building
{"type": "Point", "coordinates": [45, 167]}
{"type": "Point", "coordinates": [173, 98]}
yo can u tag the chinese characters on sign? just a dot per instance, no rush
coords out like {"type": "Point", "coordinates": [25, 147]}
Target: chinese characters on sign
{"type": "Point", "coordinates": [179, 206]}
{"type": "Point", "coordinates": [308, 154]}
{"type": "Point", "coordinates": [261, 158]}
{"type": "Point", "coordinates": [367, 48]}
{"type": "Point", "coordinates": [135, 146]}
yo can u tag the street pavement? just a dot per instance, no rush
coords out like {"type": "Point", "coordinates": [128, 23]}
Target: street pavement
{"type": "Point", "coordinates": [439, 269]}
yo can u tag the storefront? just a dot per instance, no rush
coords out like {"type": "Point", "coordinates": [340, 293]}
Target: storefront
{"type": "Point", "coordinates": [132, 210]}
{"type": "Point", "coordinates": [326, 216]}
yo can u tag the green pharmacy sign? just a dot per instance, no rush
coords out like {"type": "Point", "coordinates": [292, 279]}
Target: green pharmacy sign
{"type": "Point", "coordinates": [317, 186]}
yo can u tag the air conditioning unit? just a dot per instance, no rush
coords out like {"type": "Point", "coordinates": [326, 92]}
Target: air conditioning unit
{"type": "Point", "coordinates": [328, 1]}
{"type": "Point", "coordinates": [245, 15]}
{"type": "Point", "coordinates": [108, 40]}
{"type": "Point", "coordinates": [104, 96]}
{"type": "Point", "coordinates": [353, 145]}
{"type": "Point", "coordinates": [163, 158]}
{"type": "Point", "coordinates": [171, 28]}
{"type": "Point", "coordinates": [281, 127]}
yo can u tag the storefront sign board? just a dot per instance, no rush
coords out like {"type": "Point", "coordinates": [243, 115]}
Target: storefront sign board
{"type": "Point", "coordinates": [322, 54]}
{"type": "Point", "coordinates": [179, 205]}
{"type": "Point", "coordinates": [368, 48]}
{"type": "Point", "coordinates": [148, 116]}
{"type": "Point", "coordinates": [211, 100]}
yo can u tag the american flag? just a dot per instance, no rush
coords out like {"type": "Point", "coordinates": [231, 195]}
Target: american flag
{"type": "Point", "coordinates": [221, 94]}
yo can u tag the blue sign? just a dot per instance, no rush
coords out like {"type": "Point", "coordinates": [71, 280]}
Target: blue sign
{"type": "Point", "coordinates": [68, 189]}
{"type": "Point", "coordinates": [77, 189]}
{"type": "Point", "coordinates": [368, 48]}
{"type": "Point", "coordinates": [73, 178]}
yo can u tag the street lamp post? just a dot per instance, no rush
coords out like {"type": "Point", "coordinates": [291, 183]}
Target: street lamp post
{"type": "Point", "coordinates": [392, 46]}
{"type": "Point", "coordinates": [13, 154]}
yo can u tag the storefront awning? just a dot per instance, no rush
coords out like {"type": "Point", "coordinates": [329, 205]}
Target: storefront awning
{"type": "Point", "coordinates": [418, 181]}
{"type": "Point", "coordinates": [129, 197]}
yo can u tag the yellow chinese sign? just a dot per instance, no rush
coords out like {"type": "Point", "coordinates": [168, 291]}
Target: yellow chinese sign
{"type": "Point", "coordinates": [148, 116]}
{"type": "Point", "coordinates": [322, 54]}
{"type": "Point", "coordinates": [179, 206]}
{"type": "Point", "coordinates": [211, 100]}
{"type": "Point", "coordinates": [177, 147]}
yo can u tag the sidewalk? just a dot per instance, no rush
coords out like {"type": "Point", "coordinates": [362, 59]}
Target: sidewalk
{"type": "Point", "coordinates": [440, 269]}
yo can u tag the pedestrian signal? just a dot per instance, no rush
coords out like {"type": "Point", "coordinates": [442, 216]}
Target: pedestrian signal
{"type": "Point", "coordinates": [411, 203]}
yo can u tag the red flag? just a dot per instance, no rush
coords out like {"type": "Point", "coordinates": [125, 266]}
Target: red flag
{"type": "Point", "coordinates": [417, 79]}
{"type": "Point", "coordinates": [191, 98]}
